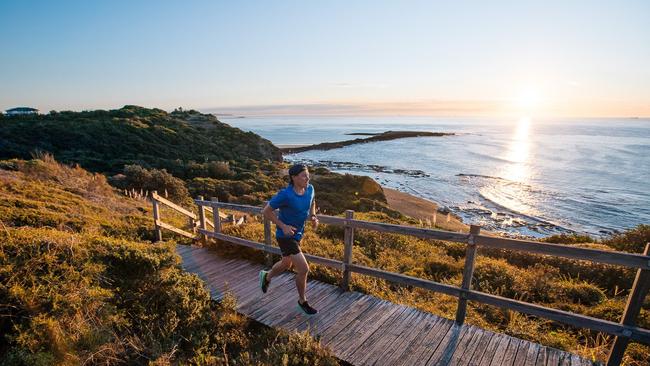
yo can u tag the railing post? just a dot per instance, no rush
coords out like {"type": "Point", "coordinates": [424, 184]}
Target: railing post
{"type": "Point", "coordinates": [468, 273]}
{"type": "Point", "coordinates": [156, 216]}
{"type": "Point", "coordinates": [348, 240]}
{"type": "Point", "coordinates": [216, 219]}
{"type": "Point", "coordinates": [202, 223]}
{"type": "Point", "coordinates": [634, 302]}
{"type": "Point", "coordinates": [268, 240]}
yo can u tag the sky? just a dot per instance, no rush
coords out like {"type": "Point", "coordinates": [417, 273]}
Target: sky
{"type": "Point", "coordinates": [460, 58]}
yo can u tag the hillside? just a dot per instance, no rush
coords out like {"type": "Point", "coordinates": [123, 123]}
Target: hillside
{"type": "Point", "coordinates": [105, 141]}
{"type": "Point", "coordinates": [80, 283]}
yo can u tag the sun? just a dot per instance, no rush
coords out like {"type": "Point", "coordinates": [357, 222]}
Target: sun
{"type": "Point", "coordinates": [528, 100]}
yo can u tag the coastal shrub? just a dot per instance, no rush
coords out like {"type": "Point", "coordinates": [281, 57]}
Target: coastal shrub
{"type": "Point", "coordinates": [536, 283]}
{"type": "Point", "coordinates": [576, 291]}
{"type": "Point", "coordinates": [572, 238]}
{"type": "Point", "coordinates": [633, 240]}
{"type": "Point", "coordinates": [495, 276]}
{"type": "Point", "coordinates": [139, 178]}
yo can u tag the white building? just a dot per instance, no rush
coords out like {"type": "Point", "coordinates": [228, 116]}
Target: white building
{"type": "Point", "coordinates": [21, 111]}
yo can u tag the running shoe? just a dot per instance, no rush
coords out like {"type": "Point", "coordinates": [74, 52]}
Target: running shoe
{"type": "Point", "coordinates": [264, 284]}
{"type": "Point", "coordinates": [308, 310]}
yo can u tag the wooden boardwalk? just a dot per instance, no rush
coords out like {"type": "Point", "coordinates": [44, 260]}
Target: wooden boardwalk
{"type": "Point", "coordinates": [362, 329]}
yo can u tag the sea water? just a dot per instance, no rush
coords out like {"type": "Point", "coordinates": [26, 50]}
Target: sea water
{"type": "Point", "coordinates": [521, 176]}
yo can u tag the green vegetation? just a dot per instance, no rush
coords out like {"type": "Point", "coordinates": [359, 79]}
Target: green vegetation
{"type": "Point", "coordinates": [577, 286]}
{"type": "Point", "coordinates": [81, 283]}
{"type": "Point", "coordinates": [185, 143]}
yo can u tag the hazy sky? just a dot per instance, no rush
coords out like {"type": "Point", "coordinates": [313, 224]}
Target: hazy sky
{"type": "Point", "coordinates": [564, 58]}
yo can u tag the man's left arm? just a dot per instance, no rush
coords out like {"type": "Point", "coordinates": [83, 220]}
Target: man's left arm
{"type": "Point", "coordinates": [312, 214]}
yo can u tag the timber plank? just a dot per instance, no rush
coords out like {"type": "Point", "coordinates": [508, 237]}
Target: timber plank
{"type": "Point", "coordinates": [430, 343]}
{"type": "Point", "coordinates": [366, 329]}
{"type": "Point", "coordinates": [255, 304]}
{"type": "Point", "coordinates": [317, 326]}
{"type": "Point", "coordinates": [541, 356]}
{"type": "Point", "coordinates": [490, 350]}
{"type": "Point", "coordinates": [377, 339]}
{"type": "Point", "coordinates": [511, 352]}
{"type": "Point", "coordinates": [476, 348]}
{"type": "Point", "coordinates": [344, 318]}
{"type": "Point", "coordinates": [346, 336]}
{"type": "Point", "coordinates": [522, 351]}
{"type": "Point", "coordinates": [362, 329]}
{"type": "Point", "coordinates": [283, 307]}
{"type": "Point", "coordinates": [390, 336]}
{"type": "Point", "coordinates": [565, 359]}
{"type": "Point", "coordinates": [279, 319]}
{"type": "Point", "coordinates": [448, 344]}
{"type": "Point", "coordinates": [533, 351]}
{"type": "Point", "coordinates": [500, 352]}
{"type": "Point", "coordinates": [552, 357]}
{"type": "Point", "coordinates": [374, 346]}
{"type": "Point", "coordinates": [430, 323]}
{"type": "Point", "coordinates": [322, 302]}
{"type": "Point", "coordinates": [411, 331]}
{"type": "Point", "coordinates": [452, 356]}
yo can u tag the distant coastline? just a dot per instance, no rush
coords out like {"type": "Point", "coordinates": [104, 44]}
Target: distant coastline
{"type": "Point", "coordinates": [384, 136]}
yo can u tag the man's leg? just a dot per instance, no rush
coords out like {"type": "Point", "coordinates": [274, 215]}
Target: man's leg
{"type": "Point", "coordinates": [279, 267]}
{"type": "Point", "coordinates": [302, 269]}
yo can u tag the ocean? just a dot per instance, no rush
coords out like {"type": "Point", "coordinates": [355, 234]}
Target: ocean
{"type": "Point", "coordinates": [521, 177]}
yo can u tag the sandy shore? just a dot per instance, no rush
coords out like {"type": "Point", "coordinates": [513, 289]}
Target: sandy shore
{"type": "Point", "coordinates": [422, 209]}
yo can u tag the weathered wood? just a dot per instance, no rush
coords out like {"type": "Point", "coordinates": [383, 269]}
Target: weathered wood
{"type": "Point", "coordinates": [230, 206]}
{"type": "Point", "coordinates": [348, 242]}
{"type": "Point", "coordinates": [156, 217]}
{"type": "Point", "coordinates": [365, 329]}
{"type": "Point", "coordinates": [268, 240]}
{"type": "Point", "coordinates": [475, 348]}
{"type": "Point", "coordinates": [490, 350]}
{"type": "Point", "coordinates": [172, 205]}
{"type": "Point", "coordinates": [566, 251]}
{"type": "Point", "coordinates": [392, 338]}
{"type": "Point", "coordinates": [431, 324]}
{"type": "Point", "coordinates": [411, 331]}
{"type": "Point", "coordinates": [468, 273]}
{"type": "Point", "coordinates": [359, 329]}
{"type": "Point", "coordinates": [632, 308]}
{"type": "Point", "coordinates": [511, 351]}
{"type": "Point", "coordinates": [581, 321]}
{"type": "Point", "coordinates": [202, 220]}
{"type": "Point", "coordinates": [216, 218]}
{"type": "Point", "coordinates": [160, 224]}
{"type": "Point", "coordinates": [406, 280]}
{"type": "Point", "coordinates": [408, 230]}
{"type": "Point", "coordinates": [448, 344]}
{"type": "Point", "coordinates": [465, 346]}
{"type": "Point", "coordinates": [375, 343]}
{"type": "Point", "coordinates": [347, 317]}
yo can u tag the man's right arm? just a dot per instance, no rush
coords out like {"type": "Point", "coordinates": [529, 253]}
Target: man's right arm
{"type": "Point", "coordinates": [269, 214]}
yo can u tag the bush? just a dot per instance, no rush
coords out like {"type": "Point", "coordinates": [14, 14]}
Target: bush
{"type": "Point", "coordinates": [580, 292]}
{"type": "Point", "coordinates": [139, 178]}
{"type": "Point", "coordinates": [633, 240]}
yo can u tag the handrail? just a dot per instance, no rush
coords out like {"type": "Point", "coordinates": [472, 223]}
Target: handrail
{"type": "Point", "coordinates": [624, 331]}
{"type": "Point", "coordinates": [594, 255]}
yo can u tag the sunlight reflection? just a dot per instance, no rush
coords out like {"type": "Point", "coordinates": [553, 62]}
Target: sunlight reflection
{"type": "Point", "coordinates": [518, 169]}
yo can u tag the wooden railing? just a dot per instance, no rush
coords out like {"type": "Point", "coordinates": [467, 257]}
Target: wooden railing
{"type": "Point", "coordinates": [193, 219]}
{"type": "Point", "coordinates": [624, 331]}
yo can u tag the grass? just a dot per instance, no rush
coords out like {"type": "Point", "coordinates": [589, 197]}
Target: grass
{"type": "Point", "coordinates": [80, 283]}
{"type": "Point", "coordinates": [576, 286]}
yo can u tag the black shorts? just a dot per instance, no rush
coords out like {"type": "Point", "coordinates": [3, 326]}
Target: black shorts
{"type": "Point", "coordinates": [288, 246]}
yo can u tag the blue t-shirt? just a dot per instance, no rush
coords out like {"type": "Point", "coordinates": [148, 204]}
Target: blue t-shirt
{"type": "Point", "coordinates": [294, 209]}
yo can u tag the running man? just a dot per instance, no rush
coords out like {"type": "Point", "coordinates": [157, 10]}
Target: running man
{"type": "Point", "coordinates": [296, 204]}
